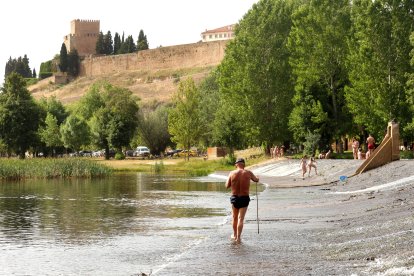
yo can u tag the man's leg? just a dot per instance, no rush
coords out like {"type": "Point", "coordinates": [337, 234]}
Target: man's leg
{"type": "Point", "coordinates": [235, 218]}
{"type": "Point", "coordinates": [242, 214]}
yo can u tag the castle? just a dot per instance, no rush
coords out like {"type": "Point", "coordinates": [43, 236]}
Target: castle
{"type": "Point", "coordinates": [83, 36]}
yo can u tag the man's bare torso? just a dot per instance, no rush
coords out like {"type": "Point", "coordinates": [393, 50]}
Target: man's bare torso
{"type": "Point", "coordinates": [239, 182]}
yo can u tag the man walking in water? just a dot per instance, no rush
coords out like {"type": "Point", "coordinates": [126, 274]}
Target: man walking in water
{"type": "Point", "coordinates": [239, 182]}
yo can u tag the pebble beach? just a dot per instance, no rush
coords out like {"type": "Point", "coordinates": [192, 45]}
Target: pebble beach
{"type": "Point", "coordinates": [333, 223]}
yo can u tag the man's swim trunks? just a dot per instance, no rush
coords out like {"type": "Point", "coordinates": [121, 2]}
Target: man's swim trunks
{"type": "Point", "coordinates": [371, 146]}
{"type": "Point", "coordinates": [239, 201]}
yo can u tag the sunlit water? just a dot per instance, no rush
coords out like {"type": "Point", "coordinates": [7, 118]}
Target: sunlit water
{"type": "Point", "coordinates": [122, 225]}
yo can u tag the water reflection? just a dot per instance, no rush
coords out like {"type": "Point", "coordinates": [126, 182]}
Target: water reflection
{"type": "Point", "coordinates": [115, 226]}
{"type": "Point", "coordinates": [83, 208]}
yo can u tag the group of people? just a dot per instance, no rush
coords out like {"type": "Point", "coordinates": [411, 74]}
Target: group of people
{"type": "Point", "coordinates": [277, 151]}
{"type": "Point", "coordinates": [357, 151]}
{"type": "Point", "coordinates": [305, 165]}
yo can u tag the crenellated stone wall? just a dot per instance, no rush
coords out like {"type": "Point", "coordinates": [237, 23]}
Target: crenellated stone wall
{"type": "Point", "coordinates": [201, 54]}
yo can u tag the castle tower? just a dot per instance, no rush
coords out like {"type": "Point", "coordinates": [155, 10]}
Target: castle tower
{"type": "Point", "coordinates": [83, 36]}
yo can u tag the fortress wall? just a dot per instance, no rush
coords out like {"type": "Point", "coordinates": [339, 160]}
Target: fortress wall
{"type": "Point", "coordinates": [171, 57]}
{"type": "Point", "coordinates": [79, 27]}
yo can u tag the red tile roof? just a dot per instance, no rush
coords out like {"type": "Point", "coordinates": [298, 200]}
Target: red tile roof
{"type": "Point", "coordinates": [221, 29]}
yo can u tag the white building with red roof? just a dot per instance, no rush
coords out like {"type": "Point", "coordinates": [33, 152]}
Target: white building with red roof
{"type": "Point", "coordinates": [223, 33]}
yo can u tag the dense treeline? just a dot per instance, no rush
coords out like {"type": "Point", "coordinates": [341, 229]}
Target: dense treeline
{"type": "Point", "coordinates": [325, 70]}
{"type": "Point", "coordinates": [105, 45]}
{"type": "Point", "coordinates": [298, 72]}
{"type": "Point", "coordinates": [21, 66]}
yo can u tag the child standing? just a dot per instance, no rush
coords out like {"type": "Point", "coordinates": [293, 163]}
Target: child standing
{"type": "Point", "coordinates": [303, 164]}
{"type": "Point", "coordinates": [312, 164]}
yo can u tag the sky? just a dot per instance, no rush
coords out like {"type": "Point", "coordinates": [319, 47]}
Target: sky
{"type": "Point", "coordinates": [37, 28]}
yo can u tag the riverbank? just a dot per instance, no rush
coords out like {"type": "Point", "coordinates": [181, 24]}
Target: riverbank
{"type": "Point", "coordinates": [359, 226]}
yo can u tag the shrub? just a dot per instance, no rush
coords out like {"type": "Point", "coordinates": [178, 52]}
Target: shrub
{"type": "Point", "coordinates": [119, 156]}
{"type": "Point", "coordinates": [44, 75]}
{"type": "Point", "coordinates": [228, 160]}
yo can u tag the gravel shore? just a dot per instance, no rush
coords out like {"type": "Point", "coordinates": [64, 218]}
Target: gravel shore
{"type": "Point", "coordinates": [319, 225]}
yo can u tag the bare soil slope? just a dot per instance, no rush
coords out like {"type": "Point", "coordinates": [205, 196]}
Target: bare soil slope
{"type": "Point", "coordinates": [147, 85]}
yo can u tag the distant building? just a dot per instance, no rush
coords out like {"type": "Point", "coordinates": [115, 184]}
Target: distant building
{"type": "Point", "coordinates": [83, 36]}
{"type": "Point", "coordinates": [223, 33]}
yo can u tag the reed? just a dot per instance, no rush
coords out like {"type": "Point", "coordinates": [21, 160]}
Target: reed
{"type": "Point", "coordinates": [16, 169]}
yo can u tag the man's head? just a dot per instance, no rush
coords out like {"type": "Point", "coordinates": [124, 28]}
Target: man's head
{"type": "Point", "coordinates": [239, 162]}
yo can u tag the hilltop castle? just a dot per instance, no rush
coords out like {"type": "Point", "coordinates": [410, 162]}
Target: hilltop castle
{"type": "Point", "coordinates": [83, 36]}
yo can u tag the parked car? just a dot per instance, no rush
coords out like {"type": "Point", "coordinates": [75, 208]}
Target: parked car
{"type": "Point", "coordinates": [85, 153]}
{"type": "Point", "coordinates": [129, 153]}
{"type": "Point", "coordinates": [142, 151]}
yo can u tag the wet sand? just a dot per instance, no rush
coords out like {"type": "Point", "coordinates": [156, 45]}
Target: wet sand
{"type": "Point", "coordinates": [316, 226]}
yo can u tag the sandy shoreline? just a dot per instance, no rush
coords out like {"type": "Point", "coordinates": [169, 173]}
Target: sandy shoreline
{"type": "Point", "coordinates": [352, 227]}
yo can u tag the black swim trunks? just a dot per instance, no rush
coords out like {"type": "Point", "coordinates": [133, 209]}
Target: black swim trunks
{"type": "Point", "coordinates": [239, 201]}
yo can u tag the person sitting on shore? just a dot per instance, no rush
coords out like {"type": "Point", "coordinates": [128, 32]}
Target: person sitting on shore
{"type": "Point", "coordinates": [328, 154]}
{"type": "Point", "coordinates": [321, 155]}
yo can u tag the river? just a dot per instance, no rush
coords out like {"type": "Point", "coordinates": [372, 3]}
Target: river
{"type": "Point", "coordinates": [126, 224]}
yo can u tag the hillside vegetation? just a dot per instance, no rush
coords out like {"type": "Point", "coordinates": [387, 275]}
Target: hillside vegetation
{"type": "Point", "coordinates": [147, 85]}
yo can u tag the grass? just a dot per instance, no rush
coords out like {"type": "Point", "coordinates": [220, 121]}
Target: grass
{"type": "Point", "coordinates": [17, 169]}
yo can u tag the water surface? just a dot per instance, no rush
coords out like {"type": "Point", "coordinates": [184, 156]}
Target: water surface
{"type": "Point", "coordinates": [122, 225]}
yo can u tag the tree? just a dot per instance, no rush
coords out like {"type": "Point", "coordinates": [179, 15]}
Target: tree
{"type": "Point", "coordinates": [409, 128]}
{"type": "Point", "coordinates": [27, 72]}
{"type": "Point", "coordinates": [63, 58]}
{"type": "Point", "coordinates": [19, 115]}
{"type": "Point", "coordinates": [255, 74]}
{"type": "Point", "coordinates": [108, 44]}
{"type": "Point", "coordinates": [112, 115]}
{"type": "Point", "coordinates": [379, 63]}
{"type": "Point", "coordinates": [73, 63]}
{"type": "Point", "coordinates": [55, 107]}
{"type": "Point", "coordinates": [75, 132]}
{"type": "Point", "coordinates": [319, 50]}
{"type": "Point", "coordinates": [19, 65]}
{"type": "Point", "coordinates": [100, 46]}
{"type": "Point", "coordinates": [227, 129]}
{"type": "Point", "coordinates": [209, 90]}
{"type": "Point", "coordinates": [142, 43]}
{"type": "Point", "coordinates": [153, 129]}
{"type": "Point", "coordinates": [184, 123]}
{"type": "Point", "coordinates": [34, 75]}
{"type": "Point", "coordinates": [129, 45]}
{"type": "Point", "coordinates": [50, 134]}
{"type": "Point", "coordinates": [117, 43]}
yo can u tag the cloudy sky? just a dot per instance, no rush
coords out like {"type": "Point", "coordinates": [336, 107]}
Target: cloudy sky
{"type": "Point", "coordinates": [37, 28]}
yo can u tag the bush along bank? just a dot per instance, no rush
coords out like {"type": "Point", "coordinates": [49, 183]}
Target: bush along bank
{"type": "Point", "coordinates": [16, 169]}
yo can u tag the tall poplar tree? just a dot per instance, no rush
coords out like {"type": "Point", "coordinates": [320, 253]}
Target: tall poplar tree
{"type": "Point", "coordinates": [318, 46]}
{"type": "Point", "coordinates": [255, 74]}
{"type": "Point", "coordinates": [379, 63]}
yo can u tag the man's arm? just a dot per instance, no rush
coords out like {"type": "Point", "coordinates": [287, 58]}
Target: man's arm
{"type": "Point", "coordinates": [228, 182]}
{"type": "Point", "coordinates": [253, 177]}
